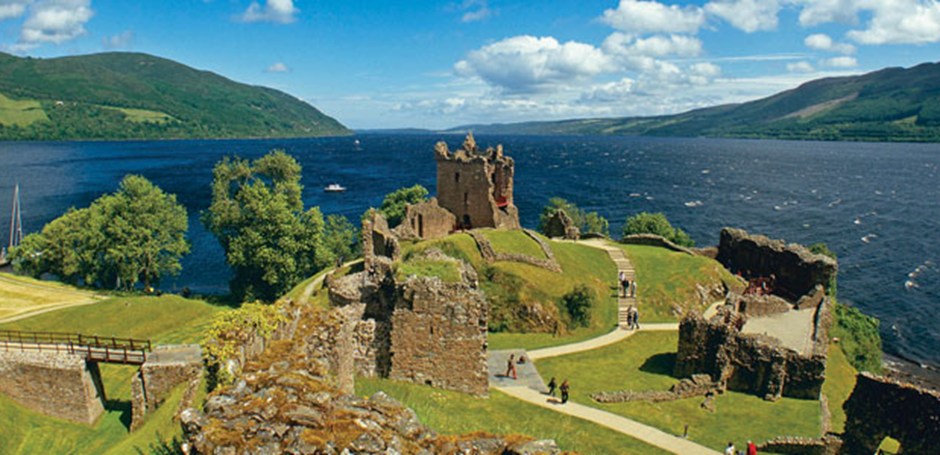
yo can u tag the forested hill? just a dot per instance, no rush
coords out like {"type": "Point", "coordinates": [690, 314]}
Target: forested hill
{"type": "Point", "coordinates": [122, 95]}
{"type": "Point", "coordinates": [893, 104]}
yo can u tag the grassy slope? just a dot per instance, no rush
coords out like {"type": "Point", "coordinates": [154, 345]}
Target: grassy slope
{"type": "Point", "coordinates": [645, 361]}
{"type": "Point", "coordinates": [840, 380]}
{"type": "Point", "coordinates": [454, 413]}
{"type": "Point", "coordinates": [166, 319]}
{"type": "Point", "coordinates": [512, 242]}
{"type": "Point", "coordinates": [20, 294]}
{"type": "Point", "coordinates": [666, 280]}
{"type": "Point", "coordinates": [20, 112]}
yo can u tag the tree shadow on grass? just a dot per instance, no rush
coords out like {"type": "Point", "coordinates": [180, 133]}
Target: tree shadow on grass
{"type": "Point", "coordinates": [122, 406]}
{"type": "Point", "coordinates": [661, 364]}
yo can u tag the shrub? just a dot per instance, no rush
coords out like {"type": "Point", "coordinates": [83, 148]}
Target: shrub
{"type": "Point", "coordinates": [578, 305]}
{"type": "Point", "coordinates": [233, 329]}
{"type": "Point", "coordinates": [657, 224]}
{"type": "Point", "coordinates": [859, 337]}
{"type": "Point", "coordinates": [587, 222]}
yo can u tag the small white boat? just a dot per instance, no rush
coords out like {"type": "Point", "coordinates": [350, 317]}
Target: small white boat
{"type": "Point", "coordinates": [334, 188]}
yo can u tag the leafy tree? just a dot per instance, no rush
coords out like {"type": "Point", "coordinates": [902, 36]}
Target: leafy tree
{"type": "Point", "coordinates": [586, 222]}
{"type": "Point", "coordinates": [393, 206]}
{"type": "Point", "coordinates": [656, 223]}
{"type": "Point", "coordinates": [340, 238]}
{"type": "Point", "coordinates": [823, 249]}
{"type": "Point", "coordinates": [257, 214]}
{"type": "Point", "coordinates": [578, 304]}
{"type": "Point", "coordinates": [136, 235]}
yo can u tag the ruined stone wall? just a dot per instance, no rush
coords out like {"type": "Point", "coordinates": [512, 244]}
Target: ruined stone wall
{"type": "Point", "coordinates": [166, 367]}
{"type": "Point", "coordinates": [426, 220]}
{"type": "Point", "coordinates": [439, 336]}
{"type": "Point", "coordinates": [880, 407]}
{"type": "Point", "coordinates": [754, 305]}
{"type": "Point", "coordinates": [797, 270]}
{"type": "Point", "coordinates": [746, 362]}
{"type": "Point", "coordinates": [56, 384]}
{"type": "Point", "coordinates": [470, 183]}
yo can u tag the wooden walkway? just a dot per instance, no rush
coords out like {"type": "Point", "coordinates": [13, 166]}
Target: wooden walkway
{"type": "Point", "coordinates": [91, 347]}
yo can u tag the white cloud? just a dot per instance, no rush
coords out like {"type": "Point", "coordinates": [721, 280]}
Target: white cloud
{"type": "Point", "coordinates": [901, 22]}
{"type": "Point", "coordinates": [800, 67]}
{"type": "Point", "coordinates": [280, 11]}
{"type": "Point", "coordinates": [10, 9]}
{"type": "Point", "coordinates": [610, 92]}
{"type": "Point", "coordinates": [475, 10]}
{"type": "Point", "coordinates": [817, 12]}
{"type": "Point", "coordinates": [622, 44]}
{"type": "Point", "coordinates": [823, 42]}
{"type": "Point", "coordinates": [54, 21]}
{"type": "Point", "coordinates": [277, 67]}
{"type": "Point", "coordinates": [122, 40]}
{"type": "Point", "coordinates": [639, 17]}
{"type": "Point", "coordinates": [747, 15]}
{"type": "Point", "coordinates": [526, 63]}
{"type": "Point", "coordinates": [841, 62]}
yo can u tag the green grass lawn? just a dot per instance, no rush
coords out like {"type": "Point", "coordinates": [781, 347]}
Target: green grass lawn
{"type": "Point", "coordinates": [644, 362]}
{"type": "Point", "coordinates": [840, 381]}
{"type": "Point", "coordinates": [20, 112]}
{"type": "Point", "coordinates": [20, 295]}
{"type": "Point", "coordinates": [513, 242]}
{"type": "Point", "coordinates": [455, 413]}
{"type": "Point", "coordinates": [666, 281]}
{"type": "Point", "coordinates": [447, 271]}
{"type": "Point", "coordinates": [165, 319]}
{"type": "Point", "coordinates": [144, 116]}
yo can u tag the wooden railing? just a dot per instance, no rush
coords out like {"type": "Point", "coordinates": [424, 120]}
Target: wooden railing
{"type": "Point", "coordinates": [91, 347]}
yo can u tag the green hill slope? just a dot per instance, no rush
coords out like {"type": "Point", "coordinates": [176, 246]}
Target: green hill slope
{"type": "Point", "coordinates": [138, 96]}
{"type": "Point", "coordinates": [893, 104]}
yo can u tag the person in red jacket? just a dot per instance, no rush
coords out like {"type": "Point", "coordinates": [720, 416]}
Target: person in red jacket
{"type": "Point", "coordinates": [751, 448]}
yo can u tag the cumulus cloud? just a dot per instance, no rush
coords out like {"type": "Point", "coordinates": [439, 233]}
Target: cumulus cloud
{"type": "Point", "coordinates": [610, 92]}
{"type": "Point", "coordinates": [747, 15]}
{"type": "Point", "coordinates": [817, 12]}
{"type": "Point", "coordinates": [120, 41]}
{"type": "Point", "coordinates": [622, 44]}
{"type": "Point", "coordinates": [841, 62]}
{"type": "Point", "coordinates": [901, 22]}
{"type": "Point", "coordinates": [475, 10]}
{"type": "Point", "coordinates": [527, 63]}
{"type": "Point", "coordinates": [823, 42]}
{"type": "Point", "coordinates": [280, 11]}
{"type": "Point", "coordinates": [277, 67]}
{"type": "Point", "coordinates": [10, 9]}
{"type": "Point", "coordinates": [54, 21]}
{"type": "Point", "coordinates": [640, 17]}
{"type": "Point", "coordinates": [800, 67]}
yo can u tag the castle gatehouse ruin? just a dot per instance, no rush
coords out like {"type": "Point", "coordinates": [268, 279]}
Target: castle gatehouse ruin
{"type": "Point", "coordinates": [772, 339]}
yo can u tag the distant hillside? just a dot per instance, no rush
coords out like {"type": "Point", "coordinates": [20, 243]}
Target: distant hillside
{"type": "Point", "coordinates": [138, 96]}
{"type": "Point", "coordinates": [893, 104]}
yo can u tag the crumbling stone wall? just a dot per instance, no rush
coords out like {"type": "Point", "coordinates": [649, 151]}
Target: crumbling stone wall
{"type": "Point", "coordinates": [476, 186]}
{"type": "Point", "coordinates": [426, 220]}
{"type": "Point", "coordinates": [165, 368]}
{"type": "Point", "coordinates": [751, 363]}
{"type": "Point", "coordinates": [880, 407]}
{"type": "Point", "coordinates": [490, 255]}
{"type": "Point", "coordinates": [439, 336]}
{"type": "Point", "coordinates": [797, 270]}
{"type": "Point", "coordinates": [753, 305]}
{"type": "Point", "coordinates": [561, 225]}
{"type": "Point", "coordinates": [56, 384]}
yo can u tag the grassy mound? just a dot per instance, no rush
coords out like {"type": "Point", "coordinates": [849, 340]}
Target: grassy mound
{"type": "Point", "coordinates": [20, 296]}
{"type": "Point", "coordinates": [165, 319]}
{"type": "Point", "coordinates": [512, 242]}
{"type": "Point", "coordinates": [456, 413]}
{"type": "Point", "coordinates": [668, 282]}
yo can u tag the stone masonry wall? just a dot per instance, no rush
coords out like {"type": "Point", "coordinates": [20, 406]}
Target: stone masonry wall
{"type": "Point", "coordinates": [880, 407]}
{"type": "Point", "coordinates": [439, 336]}
{"type": "Point", "coordinates": [797, 270]}
{"type": "Point", "coordinates": [166, 367]}
{"type": "Point", "coordinates": [56, 384]}
{"type": "Point", "coordinates": [426, 220]}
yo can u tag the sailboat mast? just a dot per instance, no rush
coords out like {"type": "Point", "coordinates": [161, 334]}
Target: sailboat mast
{"type": "Point", "coordinates": [16, 224]}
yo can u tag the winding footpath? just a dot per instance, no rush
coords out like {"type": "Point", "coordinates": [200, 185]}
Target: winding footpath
{"type": "Point", "coordinates": [532, 393]}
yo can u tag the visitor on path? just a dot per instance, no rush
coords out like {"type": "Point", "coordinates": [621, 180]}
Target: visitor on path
{"type": "Point", "coordinates": [564, 391]}
{"type": "Point", "coordinates": [730, 449]}
{"type": "Point", "coordinates": [751, 448]}
{"type": "Point", "coordinates": [633, 288]}
{"type": "Point", "coordinates": [624, 283]}
{"type": "Point", "coordinates": [511, 367]}
{"type": "Point", "coordinates": [633, 318]}
{"type": "Point", "coordinates": [551, 386]}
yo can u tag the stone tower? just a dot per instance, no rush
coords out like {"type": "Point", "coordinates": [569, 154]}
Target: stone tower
{"type": "Point", "coordinates": [476, 186]}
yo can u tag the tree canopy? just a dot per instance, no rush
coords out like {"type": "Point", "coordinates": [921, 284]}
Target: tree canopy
{"type": "Point", "coordinates": [136, 235]}
{"type": "Point", "coordinates": [587, 222]}
{"type": "Point", "coordinates": [656, 223]}
{"type": "Point", "coordinates": [258, 216]}
{"type": "Point", "coordinates": [394, 204]}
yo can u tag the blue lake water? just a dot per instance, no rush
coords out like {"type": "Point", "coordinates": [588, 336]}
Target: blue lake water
{"type": "Point", "coordinates": [876, 205]}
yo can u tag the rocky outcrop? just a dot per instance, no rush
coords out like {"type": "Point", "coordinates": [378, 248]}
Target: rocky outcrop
{"type": "Point", "coordinates": [754, 305]}
{"type": "Point", "coordinates": [289, 407]}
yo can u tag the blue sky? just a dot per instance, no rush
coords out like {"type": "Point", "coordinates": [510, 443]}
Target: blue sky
{"type": "Point", "coordinates": [435, 64]}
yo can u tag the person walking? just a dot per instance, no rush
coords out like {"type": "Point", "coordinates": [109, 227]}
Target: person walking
{"type": "Point", "coordinates": [624, 284]}
{"type": "Point", "coordinates": [730, 449]}
{"type": "Point", "coordinates": [511, 366]}
{"type": "Point", "coordinates": [633, 288]}
{"type": "Point", "coordinates": [551, 386]}
{"type": "Point", "coordinates": [751, 448]}
{"type": "Point", "coordinates": [564, 391]}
